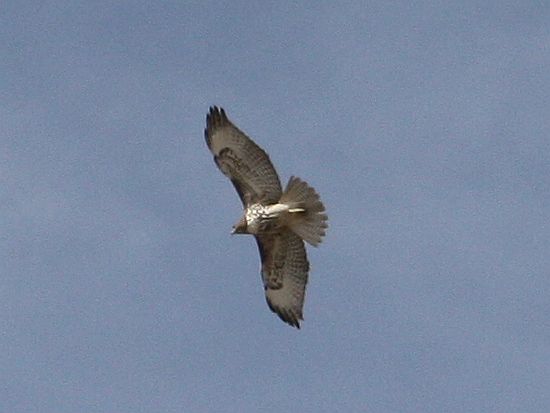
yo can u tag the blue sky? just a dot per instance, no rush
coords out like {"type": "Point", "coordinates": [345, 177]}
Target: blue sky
{"type": "Point", "coordinates": [425, 128]}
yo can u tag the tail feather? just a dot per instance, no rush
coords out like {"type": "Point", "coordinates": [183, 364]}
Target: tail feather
{"type": "Point", "coordinates": [306, 217]}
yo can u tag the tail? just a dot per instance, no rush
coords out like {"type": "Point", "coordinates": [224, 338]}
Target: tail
{"type": "Point", "coordinates": [306, 217]}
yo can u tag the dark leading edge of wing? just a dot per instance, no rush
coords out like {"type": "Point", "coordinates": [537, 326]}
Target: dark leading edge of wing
{"type": "Point", "coordinates": [246, 164]}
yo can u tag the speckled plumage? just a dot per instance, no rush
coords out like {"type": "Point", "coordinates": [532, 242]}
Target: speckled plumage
{"type": "Point", "coordinates": [280, 221]}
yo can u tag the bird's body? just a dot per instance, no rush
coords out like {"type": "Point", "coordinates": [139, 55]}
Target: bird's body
{"type": "Point", "coordinates": [261, 219]}
{"type": "Point", "coordinates": [280, 220]}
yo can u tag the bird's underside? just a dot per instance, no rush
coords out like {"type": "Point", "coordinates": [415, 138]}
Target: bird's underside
{"type": "Point", "coordinates": [279, 220]}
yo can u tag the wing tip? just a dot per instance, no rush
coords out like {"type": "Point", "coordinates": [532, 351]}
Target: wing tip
{"type": "Point", "coordinates": [215, 118]}
{"type": "Point", "coordinates": [288, 316]}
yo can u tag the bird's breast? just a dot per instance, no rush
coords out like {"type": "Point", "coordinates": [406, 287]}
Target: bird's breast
{"type": "Point", "coordinates": [259, 219]}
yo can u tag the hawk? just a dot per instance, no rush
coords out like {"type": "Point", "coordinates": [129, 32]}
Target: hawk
{"type": "Point", "coordinates": [279, 220]}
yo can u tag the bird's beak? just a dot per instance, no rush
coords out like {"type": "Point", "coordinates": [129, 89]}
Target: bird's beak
{"type": "Point", "coordinates": [239, 227]}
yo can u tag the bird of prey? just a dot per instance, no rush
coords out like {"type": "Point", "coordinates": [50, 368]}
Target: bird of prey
{"type": "Point", "coordinates": [279, 220]}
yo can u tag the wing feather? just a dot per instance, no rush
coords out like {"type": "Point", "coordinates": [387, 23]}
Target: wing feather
{"type": "Point", "coordinates": [284, 273]}
{"type": "Point", "coordinates": [246, 164]}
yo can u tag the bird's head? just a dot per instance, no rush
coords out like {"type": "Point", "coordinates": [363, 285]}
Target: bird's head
{"type": "Point", "coordinates": [240, 227]}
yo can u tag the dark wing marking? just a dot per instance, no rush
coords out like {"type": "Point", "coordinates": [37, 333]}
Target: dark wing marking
{"type": "Point", "coordinates": [284, 273]}
{"type": "Point", "coordinates": [241, 160]}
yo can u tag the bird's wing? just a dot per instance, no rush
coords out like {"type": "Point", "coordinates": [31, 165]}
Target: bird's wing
{"type": "Point", "coordinates": [241, 160]}
{"type": "Point", "coordinates": [284, 272]}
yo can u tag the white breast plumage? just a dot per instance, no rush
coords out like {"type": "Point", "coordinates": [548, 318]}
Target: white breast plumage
{"type": "Point", "coordinates": [255, 214]}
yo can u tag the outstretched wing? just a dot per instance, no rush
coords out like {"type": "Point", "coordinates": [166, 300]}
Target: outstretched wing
{"type": "Point", "coordinates": [241, 160]}
{"type": "Point", "coordinates": [284, 272]}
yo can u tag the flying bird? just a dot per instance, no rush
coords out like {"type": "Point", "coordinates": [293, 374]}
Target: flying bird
{"type": "Point", "coordinates": [279, 220]}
